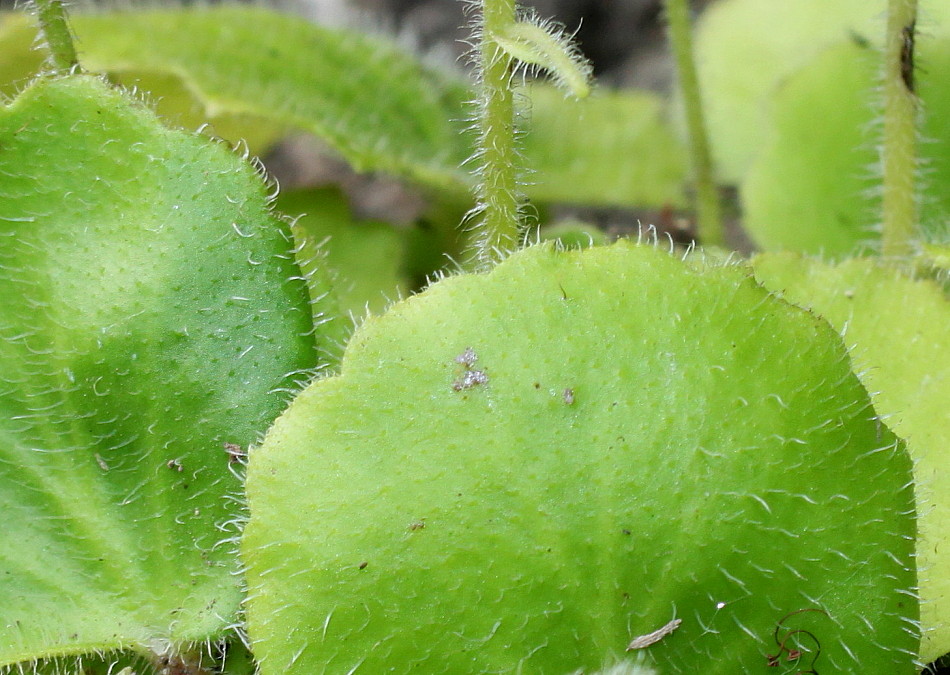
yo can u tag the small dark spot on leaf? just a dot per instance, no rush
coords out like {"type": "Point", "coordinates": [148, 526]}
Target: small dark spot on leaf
{"type": "Point", "coordinates": [625, 531]}
{"type": "Point", "coordinates": [859, 40]}
{"type": "Point", "coordinates": [363, 565]}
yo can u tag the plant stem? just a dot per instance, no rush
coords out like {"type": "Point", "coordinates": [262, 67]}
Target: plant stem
{"type": "Point", "coordinates": [59, 39]}
{"type": "Point", "coordinates": [900, 130]}
{"type": "Point", "coordinates": [499, 229]}
{"type": "Point", "coordinates": [708, 206]}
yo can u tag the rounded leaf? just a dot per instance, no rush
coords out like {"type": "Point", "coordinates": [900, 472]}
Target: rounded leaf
{"type": "Point", "coordinates": [898, 332]}
{"type": "Point", "coordinates": [579, 454]}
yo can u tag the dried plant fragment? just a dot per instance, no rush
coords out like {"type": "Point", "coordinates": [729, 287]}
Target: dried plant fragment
{"type": "Point", "coordinates": [644, 641]}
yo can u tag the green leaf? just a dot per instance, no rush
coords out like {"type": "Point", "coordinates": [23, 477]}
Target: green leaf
{"type": "Point", "coordinates": [546, 45]}
{"type": "Point", "coordinates": [898, 332]}
{"type": "Point", "coordinates": [255, 71]}
{"type": "Point", "coordinates": [148, 317]}
{"type": "Point", "coordinates": [810, 188]}
{"type": "Point", "coordinates": [20, 60]}
{"type": "Point", "coordinates": [352, 267]}
{"type": "Point", "coordinates": [612, 148]}
{"type": "Point", "coordinates": [525, 471]}
{"type": "Point", "coordinates": [369, 100]}
{"type": "Point", "coordinates": [745, 49]}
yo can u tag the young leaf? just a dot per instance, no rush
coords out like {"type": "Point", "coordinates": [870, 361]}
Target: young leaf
{"type": "Point", "coordinates": [898, 332]}
{"type": "Point", "coordinates": [152, 323]}
{"type": "Point", "coordinates": [578, 454]}
{"type": "Point", "coordinates": [543, 44]}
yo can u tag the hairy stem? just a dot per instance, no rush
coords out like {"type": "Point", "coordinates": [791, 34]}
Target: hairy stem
{"type": "Point", "coordinates": [708, 206]}
{"type": "Point", "coordinates": [900, 130]}
{"type": "Point", "coordinates": [59, 39]}
{"type": "Point", "coordinates": [499, 228]}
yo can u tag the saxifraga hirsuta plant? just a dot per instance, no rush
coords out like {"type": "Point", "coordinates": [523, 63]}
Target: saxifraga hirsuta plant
{"type": "Point", "coordinates": [899, 155]}
{"type": "Point", "coordinates": [510, 39]}
{"type": "Point", "coordinates": [708, 206]}
{"type": "Point", "coordinates": [58, 36]}
{"type": "Point", "coordinates": [502, 39]}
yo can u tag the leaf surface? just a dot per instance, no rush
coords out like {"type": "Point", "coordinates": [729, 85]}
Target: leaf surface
{"type": "Point", "coordinates": [364, 257]}
{"type": "Point", "coordinates": [525, 471]}
{"type": "Point", "coordinates": [609, 148]}
{"type": "Point", "coordinates": [746, 49]}
{"type": "Point", "coordinates": [812, 187]}
{"type": "Point", "coordinates": [898, 332]}
{"type": "Point", "coordinates": [148, 317]}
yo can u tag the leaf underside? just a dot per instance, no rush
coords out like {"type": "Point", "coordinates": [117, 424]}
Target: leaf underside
{"type": "Point", "coordinates": [526, 470]}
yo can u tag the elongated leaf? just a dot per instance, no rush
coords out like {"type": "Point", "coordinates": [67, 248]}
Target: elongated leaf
{"type": "Point", "coordinates": [150, 328]}
{"type": "Point", "coordinates": [530, 470]}
{"type": "Point", "coordinates": [898, 331]}
{"type": "Point", "coordinates": [255, 71]}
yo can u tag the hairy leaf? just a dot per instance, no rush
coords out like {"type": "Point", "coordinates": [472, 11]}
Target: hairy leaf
{"type": "Point", "coordinates": [255, 71]}
{"type": "Point", "coordinates": [531, 470]}
{"type": "Point", "coordinates": [898, 331]}
{"type": "Point", "coordinates": [150, 329]}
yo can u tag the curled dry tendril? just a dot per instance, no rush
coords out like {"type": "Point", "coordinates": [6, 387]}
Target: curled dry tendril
{"type": "Point", "coordinates": [792, 653]}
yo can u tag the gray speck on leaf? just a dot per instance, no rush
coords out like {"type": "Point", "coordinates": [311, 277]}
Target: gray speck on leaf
{"type": "Point", "coordinates": [652, 638]}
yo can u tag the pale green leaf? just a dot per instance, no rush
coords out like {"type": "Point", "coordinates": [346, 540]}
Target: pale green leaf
{"type": "Point", "coordinates": [527, 470]}
{"type": "Point", "coordinates": [746, 48]}
{"type": "Point", "coordinates": [811, 188]}
{"type": "Point", "coordinates": [148, 317]}
{"type": "Point", "coordinates": [898, 331]}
